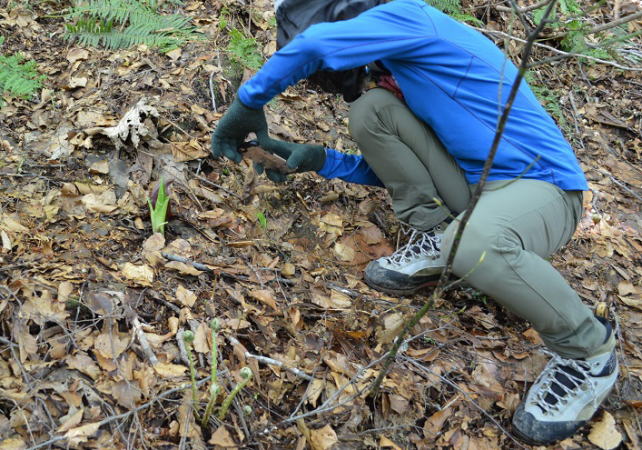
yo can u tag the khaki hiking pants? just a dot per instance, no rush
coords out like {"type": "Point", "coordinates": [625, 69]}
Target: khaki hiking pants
{"type": "Point", "coordinates": [516, 225]}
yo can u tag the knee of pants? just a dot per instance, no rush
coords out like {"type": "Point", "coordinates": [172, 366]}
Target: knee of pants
{"type": "Point", "coordinates": [364, 117]}
{"type": "Point", "coordinates": [482, 253]}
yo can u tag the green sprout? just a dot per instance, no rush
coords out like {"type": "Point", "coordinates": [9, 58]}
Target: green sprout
{"type": "Point", "coordinates": [214, 387]}
{"type": "Point", "coordinates": [188, 337]}
{"type": "Point", "coordinates": [246, 375]}
{"type": "Point", "coordinates": [158, 206]}
{"type": "Point", "coordinates": [262, 220]}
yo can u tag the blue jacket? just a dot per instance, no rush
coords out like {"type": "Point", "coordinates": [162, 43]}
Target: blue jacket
{"type": "Point", "coordinates": [452, 78]}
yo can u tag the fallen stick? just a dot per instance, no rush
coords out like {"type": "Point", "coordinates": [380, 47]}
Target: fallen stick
{"type": "Point", "coordinates": [270, 361]}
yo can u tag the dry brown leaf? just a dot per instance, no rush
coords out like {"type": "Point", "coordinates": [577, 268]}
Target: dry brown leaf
{"type": "Point", "coordinates": [323, 438]}
{"type": "Point", "coordinates": [632, 302]}
{"type": "Point", "coordinates": [533, 336]}
{"type": "Point", "coordinates": [264, 296]}
{"type": "Point", "coordinates": [188, 151]}
{"type": "Point", "coordinates": [222, 438]}
{"type": "Point", "coordinates": [11, 223]}
{"type": "Point", "coordinates": [200, 338]}
{"type": "Point", "coordinates": [315, 389]}
{"type": "Point", "coordinates": [70, 420]}
{"type": "Point", "coordinates": [77, 54]}
{"type": "Point", "coordinates": [104, 203]}
{"type": "Point", "coordinates": [6, 241]}
{"type": "Point", "coordinates": [82, 433]}
{"type": "Point", "coordinates": [13, 444]}
{"type": "Point", "coordinates": [185, 296]}
{"type": "Point", "coordinates": [111, 345]}
{"type": "Point", "coordinates": [139, 274]}
{"type": "Point", "coordinates": [168, 370]}
{"type": "Point", "coordinates": [435, 423]}
{"type": "Point", "coordinates": [344, 252]}
{"type": "Point", "coordinates": [186, 269]}
{"type": "Point", "coordinates": [625, 288]}
{"type": "Point", "coordinates": [604, 433]}
{"type": "Point", "coordinates": [384, 442]}
{"type": "Point", "coordinates": [126, 393]}
{"type": "Point", "coordinates": [83, 363]}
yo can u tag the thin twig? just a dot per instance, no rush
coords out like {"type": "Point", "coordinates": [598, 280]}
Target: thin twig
{"type": "Point", "coordinates": [563, 54]}
{"type": "Point", "coordinates": [196, 265]}
{"type": "Point", "coordinates": [525, 9]}
{"type": "Point", "coordinates": [270, 361]}
{"type": "Point", "coordinates": [127, 414]}
{"type": "Point", "coordinates": [142, 339]}
{"type": "Point", "coordinates": [465, 394]}
{"type": "Point", "coordinates": [445, 274]}
{"type": "Point", "coordinates": [218, 186]}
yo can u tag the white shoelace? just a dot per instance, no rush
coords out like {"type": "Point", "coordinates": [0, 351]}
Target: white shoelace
{"type": "Point", "coordinates": [547, 378]}
{"type": "Point", "coordinates": [420, 244]}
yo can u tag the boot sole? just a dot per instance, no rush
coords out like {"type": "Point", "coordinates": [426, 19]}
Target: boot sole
{"type": "Point", "coordinates": [401, 292]}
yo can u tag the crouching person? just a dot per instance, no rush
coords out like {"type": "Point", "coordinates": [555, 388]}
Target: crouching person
{"type": "Point", "coordinates": [424, 135]}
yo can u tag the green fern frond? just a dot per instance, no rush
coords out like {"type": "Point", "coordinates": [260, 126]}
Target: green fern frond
{"type": "Point", "coordinates": [118, 24]}
{"type": "Point", "coordinates": [18, 78]}
{"type": "Point", "coordinates": [447, 6]}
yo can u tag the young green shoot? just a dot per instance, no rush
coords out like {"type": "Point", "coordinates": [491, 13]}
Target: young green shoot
{"type": "Point", "coordinates": [158, 205]}
{"type": "Point", "coordinates": [262, 220]}
{"type": "Point", "coordinates": [214, 387]}
{"type": "Point", "coordinates": [246, 375]}
{"type": "Point", "coordinates": [188, 337]}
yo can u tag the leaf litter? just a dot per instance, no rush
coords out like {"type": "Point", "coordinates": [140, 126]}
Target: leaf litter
{"type": "Point", "coordinates": [84, 283]}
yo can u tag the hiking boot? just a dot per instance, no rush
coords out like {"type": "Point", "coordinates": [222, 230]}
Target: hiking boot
{"type": "Point", "coordinates": [565, 396]}
{"type": "Point", "coordinates": [415, 265]}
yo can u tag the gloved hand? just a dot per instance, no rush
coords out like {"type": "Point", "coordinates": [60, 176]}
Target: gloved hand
{"type": "Point", "coordinates": [299, 157]}
{"type": "Point", "coordinates": [233, 128]}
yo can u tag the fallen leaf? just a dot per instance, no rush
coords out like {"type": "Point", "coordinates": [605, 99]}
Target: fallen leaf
{"type": "Point", "coordinates": [533, 336]}
{"type": "Point", "coordinates": [625, 288]}
{"type": "Point", "coordinates": [76, 82]}
{"type": "Point", "coordinates": [186, 269]}
{"type": "Point", "coordinates": [323, 438]}
{"type": "Point", "coordinates": [77, 54]}
{"type": "Point", "coordinates": [384, 442]}
{"type": "Point", "coordinates": [632, 302]}
{"type": "Point", "coordinates": [13, 444]}
{"type": "Point", "coordinates": [168, 370]}
{"type": "Point", "coordinates": [264, 296]}
{"type": "Point", "coordinates": [344, 252]}
{"type": "Point", "coordinates": [604, 434]}
{"type": "Point", "coordinates": [104, 203]}
{"type": "Point", "coordinates": [140, 274]}
{"type": "Point", "coordinates": [185, 296]}
{"type": "Point", "coordinates": [200, 338]}
{"type": "Point", "coordinates": [174, 54]}
{"type": "Point", "coordinates": [188, 151]}
{"type": "Point", "coordinates": [126, 393]}
{"type": "Point", "coordinates": [81, 434]}
{"type": "Point", "coordinates": [435, 423]}
{"type": "Point", "coordinates": [222, 438]}
{"type": "Point", "coordinates": [83, 363]}
{"type": "Point", "coordinates": [111, 345]}
{"type": "Point", "coordinates": [71, 421]}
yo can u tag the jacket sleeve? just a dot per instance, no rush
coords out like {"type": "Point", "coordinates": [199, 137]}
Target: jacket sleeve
{"type": "Point", "coordinates": [350, 168]}
{"type": "Point", "coordinates": [395, 30]}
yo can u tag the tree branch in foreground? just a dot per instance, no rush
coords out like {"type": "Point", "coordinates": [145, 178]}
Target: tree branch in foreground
{"type": "Point", "coordinates": [445, 274]}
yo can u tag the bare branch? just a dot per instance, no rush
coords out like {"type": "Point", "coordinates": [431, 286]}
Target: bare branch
{"type": "Point", "coordinates": [445, 274]}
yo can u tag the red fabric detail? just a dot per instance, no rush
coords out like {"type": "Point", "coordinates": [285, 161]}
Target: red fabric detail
{"type": "Point", "coordinates": [388, 82]}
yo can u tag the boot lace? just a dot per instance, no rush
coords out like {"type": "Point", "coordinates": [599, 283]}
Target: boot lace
{"type": "Point", "coordinates": [420, 244]}
{"type": "Point", "coordinates": [561, 380]}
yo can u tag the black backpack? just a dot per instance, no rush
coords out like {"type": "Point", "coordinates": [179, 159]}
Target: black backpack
{"type": "Point", "coordinates": [294, 16]}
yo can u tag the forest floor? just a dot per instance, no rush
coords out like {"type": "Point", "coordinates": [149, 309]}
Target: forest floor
{"type": "Point", "coordinates": [92, 304]}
